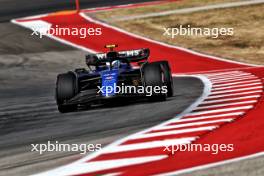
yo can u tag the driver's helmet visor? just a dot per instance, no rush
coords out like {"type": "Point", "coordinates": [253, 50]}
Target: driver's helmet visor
{"type": "Point", "coordinates": [116, 64]}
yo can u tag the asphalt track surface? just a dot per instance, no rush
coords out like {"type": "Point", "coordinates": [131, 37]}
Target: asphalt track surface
{"type": "Point", "coordinates": [28, 112]}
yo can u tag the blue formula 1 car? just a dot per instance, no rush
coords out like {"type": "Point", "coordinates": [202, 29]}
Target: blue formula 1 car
{"type": "Point", "coordinates": [111, 75]}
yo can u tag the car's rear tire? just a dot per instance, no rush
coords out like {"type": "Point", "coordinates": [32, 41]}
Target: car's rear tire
{"type": "Point", "coordinates": [167, 77]}
{"type": "Point", "coordinates": [66, 88]}
{"type": "Point", "coordinates": [153, 76]}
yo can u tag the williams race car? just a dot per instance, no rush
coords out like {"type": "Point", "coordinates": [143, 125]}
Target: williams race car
{"type": "Point", "coordinates": [128, 71]}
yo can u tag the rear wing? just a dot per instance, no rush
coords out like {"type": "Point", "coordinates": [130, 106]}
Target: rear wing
{"type": "Point", "coordinates": [127, 56]}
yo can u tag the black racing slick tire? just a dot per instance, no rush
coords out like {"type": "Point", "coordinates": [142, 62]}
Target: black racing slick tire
{"type": "Point", "coordinates": [167, 77]}
{"type": "Point", "coordinates": [66, 88]}
{"type": "Point", "coordinates": [153, 76]}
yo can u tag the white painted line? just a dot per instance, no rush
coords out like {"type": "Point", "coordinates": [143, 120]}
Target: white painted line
{"type": "Point", "coordinates": [57, 38]}
{"type": "Point", "coordinates": [113, 174]}
{"type": "Point", "coordinates": [237, 94]}
{"type": "Point", "coordinates": [172, 132]}
{"type": "Point", "coordinates": [211, 116]}
{"type": "Point", "coordinates": [34, 17]}
{"type": "Point", "coordinates": [223, 73]}
{"type": "Point", "coordinates": [229, 76]}
{"type": "Point", "coordinates": [192, 124]}
{"type": "Point", "coordinates": [94, 166]}
{"type": "Point", "coordinates": [236, 86]}
{"type": "Point", "coordinates": [149, 145]}
{"type": "Point", "coordinates": [219, 70]}
{"type": "Point", "coordinates": [222, 110]}
{"type": "Point", "coordinates": [226, 104]}
{"type": "Point", "coordinates": [236, 83]}
{"type": "Point", "coordinates": [206, 92]}
{"type": "Point", "coordinates": [229, 99]}
{"type": "Point", "coordinates": [234, 79]}
{"type": "Point", "coordinates": [236, 90]}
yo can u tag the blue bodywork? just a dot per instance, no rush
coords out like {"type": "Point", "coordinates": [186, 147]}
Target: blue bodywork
{"type": "Point", "coordinates": [109, 82]}
{"type": "Point", "coordinates": [109, 77]}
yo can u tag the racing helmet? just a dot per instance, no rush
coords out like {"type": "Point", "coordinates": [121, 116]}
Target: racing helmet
{"type": "Point", "coordinates": [116, 64]}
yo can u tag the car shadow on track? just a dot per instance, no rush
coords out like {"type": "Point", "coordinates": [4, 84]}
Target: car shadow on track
{"type": "Point", "coordinates": [121, 102]}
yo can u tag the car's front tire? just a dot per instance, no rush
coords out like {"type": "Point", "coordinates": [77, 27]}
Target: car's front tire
{"type": "Point", "coordinates": [66, 88]}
